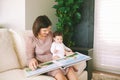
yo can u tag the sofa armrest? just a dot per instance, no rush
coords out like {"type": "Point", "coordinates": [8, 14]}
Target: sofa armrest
{"type": "Point", "coordinates": [80, 66]}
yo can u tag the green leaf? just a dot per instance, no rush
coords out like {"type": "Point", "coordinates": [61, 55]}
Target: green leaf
{"type": "Point", "coordinates": [55, 6]}
{"type": "Point", "coordinates": [78, 15]}
{"type": "Point", "coordinates": [80, 1]}
{"type": "Point", "coordinates": [60, 2]}
{"type": "Point", "coordinates": [62, 9]}
{"type": "Point", "coordinates": [70, 2]}
{"type": "Point", "coordinates": [75, 6]}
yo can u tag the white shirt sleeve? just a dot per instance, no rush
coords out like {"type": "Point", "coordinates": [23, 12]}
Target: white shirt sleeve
{"type": "Point", "coordinates": [52, 48]}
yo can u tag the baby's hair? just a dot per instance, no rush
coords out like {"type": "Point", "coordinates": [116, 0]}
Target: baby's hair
{"type": "Point", "coordinates": [57, 33]}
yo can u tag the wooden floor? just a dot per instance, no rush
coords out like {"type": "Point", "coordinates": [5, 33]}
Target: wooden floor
{"type": "Point", "coordinates": [98, 75]}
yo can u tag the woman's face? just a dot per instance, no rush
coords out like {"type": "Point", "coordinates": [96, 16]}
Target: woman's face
{"type": "Point", "coordinates": [44, 31]}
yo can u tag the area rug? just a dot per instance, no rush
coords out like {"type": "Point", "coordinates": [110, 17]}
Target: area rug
{"type": "Point", "coordinates": [105, 76]}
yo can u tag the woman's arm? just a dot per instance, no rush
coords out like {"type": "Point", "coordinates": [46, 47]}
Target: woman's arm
{"type": "Point", "coordinates": [30, 51]}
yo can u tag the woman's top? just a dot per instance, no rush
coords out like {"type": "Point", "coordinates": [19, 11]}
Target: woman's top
{"type": "Point", "coordinates": [39, 49]}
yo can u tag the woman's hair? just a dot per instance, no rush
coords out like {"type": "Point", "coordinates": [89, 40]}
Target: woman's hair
{"type": "Point", "coordinates": [40, 22]}
{"type": "Point", "coordinates": [57, 33]}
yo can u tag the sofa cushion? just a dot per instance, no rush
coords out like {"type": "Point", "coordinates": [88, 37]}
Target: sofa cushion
{"type": "Point", "coordinates": [18, 74]}
{"type": "Point", "coordinates": [20, 38]}
{"type": "Point", "coordinates": [8, 58]}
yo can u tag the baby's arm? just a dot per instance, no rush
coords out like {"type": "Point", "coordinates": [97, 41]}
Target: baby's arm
{"type": "Point", "coordinates": [69, 53]}
{"type": "Point", "coordinates": [53, 49]}
{"type": "Point", "coordinates": [67, 49]}
{"type": "Point", "coordinates": [55, 57]}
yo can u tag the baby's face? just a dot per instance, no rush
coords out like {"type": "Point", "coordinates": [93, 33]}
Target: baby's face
{"type": "Point", "coordinates": [58, 39]}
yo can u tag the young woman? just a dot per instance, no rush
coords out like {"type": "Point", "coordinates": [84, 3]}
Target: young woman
{"type": "Point", "coordinates": [38, 48]}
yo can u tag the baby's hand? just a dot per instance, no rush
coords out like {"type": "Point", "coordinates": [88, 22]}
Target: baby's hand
{"type": "Point", "coordinates": [56, 57]}
{"type": "Point", "coordinates": [55, 51]}
{"type": "Point", "coordinates": [69, 53]}
{"type": "Point", "coordinates": [70, 50]}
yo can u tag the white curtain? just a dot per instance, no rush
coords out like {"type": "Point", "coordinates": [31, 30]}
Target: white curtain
{"type": "Point", "coordinates": [106, 56]}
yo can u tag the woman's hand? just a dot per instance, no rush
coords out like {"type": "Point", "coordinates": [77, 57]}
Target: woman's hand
{"type": "Point", "coordinates": [33, 64]}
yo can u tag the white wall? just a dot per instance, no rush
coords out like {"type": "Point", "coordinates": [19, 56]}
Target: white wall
{"type": "Point", "coordinates": [35, 8]}
{"type": "Point", "coordinates": [12, 14]}
{"type": "Point", "coordinates": [107, 36]}
{"type": "Point", "coordinates": [20, 14]}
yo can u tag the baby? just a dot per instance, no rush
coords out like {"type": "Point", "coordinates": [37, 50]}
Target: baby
{"type": "Point", "coordinates": [58, 49]}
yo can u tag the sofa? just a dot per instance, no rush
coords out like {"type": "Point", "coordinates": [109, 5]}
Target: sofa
{"type": "Point", "coordinates": [13, 57]}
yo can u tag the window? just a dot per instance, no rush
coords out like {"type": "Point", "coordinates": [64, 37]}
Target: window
{"type": "Point", "coordinates": [106, 55]}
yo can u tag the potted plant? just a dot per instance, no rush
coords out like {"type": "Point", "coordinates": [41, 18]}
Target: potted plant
{"type": "Point", "coordinates": [68, 14]}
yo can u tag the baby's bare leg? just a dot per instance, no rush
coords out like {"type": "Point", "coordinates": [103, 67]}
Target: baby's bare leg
{"type": "Point", "coordinates": [60, 76]}
{"type": "Point", "coordinates": [71, 74]}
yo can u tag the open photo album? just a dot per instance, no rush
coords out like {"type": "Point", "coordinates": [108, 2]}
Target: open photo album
{"type": "Point", "coordinates": [59, 63]}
